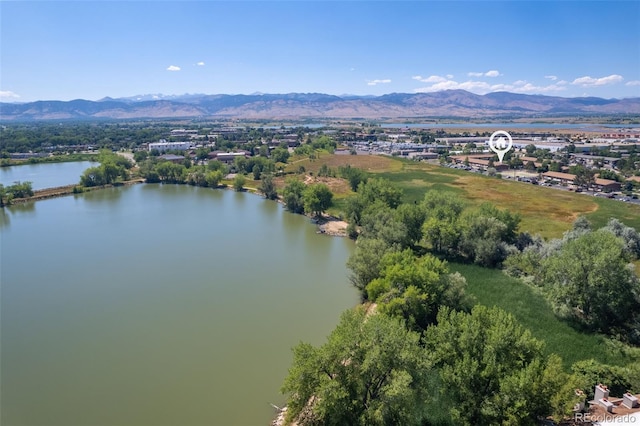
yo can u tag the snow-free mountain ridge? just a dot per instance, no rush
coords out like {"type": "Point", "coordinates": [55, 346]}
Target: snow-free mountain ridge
{"type": "Point", "coordinates": [447, 103]}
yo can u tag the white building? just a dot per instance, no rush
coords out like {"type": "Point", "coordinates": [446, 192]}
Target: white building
{"type": "Point", "coordinates": [164, 146]}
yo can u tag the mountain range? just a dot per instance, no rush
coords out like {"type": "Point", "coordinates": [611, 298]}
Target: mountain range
{"type": "Point", "coordinates": [443, 104]}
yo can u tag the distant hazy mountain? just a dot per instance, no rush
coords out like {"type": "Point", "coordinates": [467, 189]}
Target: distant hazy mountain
{"type": "Point", "coordinates": [448, 103]}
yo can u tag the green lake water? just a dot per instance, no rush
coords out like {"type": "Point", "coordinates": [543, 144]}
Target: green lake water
{"type": "Point", "coordinates": [159, 305]}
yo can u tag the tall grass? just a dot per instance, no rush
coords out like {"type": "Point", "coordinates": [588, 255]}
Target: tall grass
{"type": "Point", "coordinates": [492, 287]}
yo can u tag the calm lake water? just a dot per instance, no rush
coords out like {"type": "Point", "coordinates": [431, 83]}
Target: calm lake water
{"type": "Point", "coordinates": [159, 305]}
{"type": "Point", "coordinates": [45, 175]}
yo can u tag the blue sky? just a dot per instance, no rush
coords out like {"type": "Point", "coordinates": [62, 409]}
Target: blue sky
{"type": "Point", "coordinates": [93, 49]}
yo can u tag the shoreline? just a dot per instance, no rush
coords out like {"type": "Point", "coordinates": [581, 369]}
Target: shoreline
{"type": "Point", "coordinates": [327, 224]}
{"type": "Point", "coordinates": [61, 191]}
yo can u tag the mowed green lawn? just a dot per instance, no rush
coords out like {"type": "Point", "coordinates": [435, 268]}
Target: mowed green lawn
{"type": "Point", "coordinates": [491, 287]}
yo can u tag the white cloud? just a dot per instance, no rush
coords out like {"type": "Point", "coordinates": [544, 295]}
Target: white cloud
{"type": "Point", "coordinates": [490, 73]}
{"type": "Point", "coordinates": [431, 78]}
{"type": "Point", "coordinates": [449, 76]}
{"type": "Point", "coordinates": [482, 87]}
{"type": "Point", "coordinates": [588, 81]}
{"type": "Point", "coordinates": [173, 68]}
{"type": "Point", "coordinates": [376, 82]}
{"type": "Point", "coordinates": [551, 77]}
{"type": "Point", "coordinates": [200, 64]}
{"type": "Point", "coordinates": [633, 83]}
{"type": "Point", "coordinates": [8, 95]}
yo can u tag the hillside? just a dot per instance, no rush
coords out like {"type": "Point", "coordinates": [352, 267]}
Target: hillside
{"type": "Point", "coordinates": [448, 103]}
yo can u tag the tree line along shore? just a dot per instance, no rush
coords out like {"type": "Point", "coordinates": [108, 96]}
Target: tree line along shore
{"type": "Point", "coordinates": [423, 330]}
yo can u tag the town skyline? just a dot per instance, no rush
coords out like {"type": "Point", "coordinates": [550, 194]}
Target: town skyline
{"type": "Point", "coordinates": [74, 50]}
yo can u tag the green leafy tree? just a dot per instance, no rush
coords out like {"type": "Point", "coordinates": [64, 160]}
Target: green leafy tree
{"type": "Point", "coordinates": [353, 209]}
{"type": "Point", "coordinates": [589, 281]}
{"type": "Point", "coordinates": [379, 221]}
{"type": "Point", "coordinates": [584, 177]}
{"type": "Point", "coordinates": [370, 372]}
{"type": "Point", "coordinates": [413, 217]}
{"type": "Point", "coordinates": [202, 154]}
{"type": "Point", "coordinates": [317, 198]}
{"type": "Point", "coordinates": [171, 173]}
{"type": "Point", "coordinates": [481, 240]}
{"type": "Point", "coordinates": [370, 192]}
{"type": "Point", "coordinates": [238, 182]}
{"type": "Point", "coordinates": [487, 234]}
{"type": "Point", "coordinates": [380, 190]}
{"type": "Point", "coordinates": [257, 171]}
{"type": "Point", "coordinates": [93, 176]}
{"type": "Point", "coordinates": [324, 142]}
{"type": "Point", "coordinates": [268, 188]}
{"type": "Point", "coordinates": [364, 262]}
{"type": "Point", "coordinates": [19, 190]}
{"type": "Point", "coordinates": [493, 369]}
{"type": "Point", "coordinates": [414, 289]}
{"type": "Point", "coordinates": [140, 156]}
{"type": "Point", "coordinates": [441, 228]}
{"type": "Point", "coordinates": [292, 194]}
{"type": "Point", "coordinates": [197, 177]}
{"type": "Point", "coordinates": [240, 164]}
{"type": "Point", "coordinates": [353, 175]}
{"type": "Point", "coordinates": [213, 178]}
{"type": "Point", "coordinates": [264, 151]}
{"type": "Point", "coordinates": [280, 155]}
{"type": "Point", "coordinates": [629, 236]}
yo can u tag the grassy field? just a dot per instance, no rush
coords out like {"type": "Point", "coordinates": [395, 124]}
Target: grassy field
{"type": "Point", "coordinates": [545, 211]}
{"type": "Point", "coordinates": [492, 287]}
{"type": "Point", "coordinates": [369, 163]}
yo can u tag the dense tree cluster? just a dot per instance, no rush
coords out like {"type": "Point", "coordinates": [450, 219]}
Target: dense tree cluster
{"type": "Point", "coordinates": [489, 367]}
{"type": "Point", "coordinates": [313, 199]}
{"type": "Point", "coordinates": [371, 371]}
{"type": "Point", "coordinates": [442, 222]}
{"type": "Point", "coordinates": [112, 168]}
{"type": "Point", "coordinates": [587, 276]}
{"type": "Point", "coordinates": [255, 166]}
{"type": "Point", "coordinates": [495, 370]}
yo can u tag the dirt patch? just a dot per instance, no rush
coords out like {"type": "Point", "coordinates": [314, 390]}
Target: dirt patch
{"type": "Point", "coordinates": [336, 185]}
{"type": "Point", "coordinates": [333, 226]}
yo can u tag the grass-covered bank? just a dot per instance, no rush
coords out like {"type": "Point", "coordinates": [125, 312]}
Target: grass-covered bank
{"type": "Point", "coordinates": [491, 287]}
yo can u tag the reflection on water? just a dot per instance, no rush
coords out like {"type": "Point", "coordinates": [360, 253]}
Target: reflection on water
{"type": "Point", "coordinates": [5, 219]}
{"type": "Point", "coordinates": [45, 175]}
{"type": "Point", "coordinates": [18, 209]}
{"type": "Point", "coordinates": [159, 305]}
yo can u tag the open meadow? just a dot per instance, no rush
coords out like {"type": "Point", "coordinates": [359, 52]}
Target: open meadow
{"type": "Point", "coordinates": [545, 211]}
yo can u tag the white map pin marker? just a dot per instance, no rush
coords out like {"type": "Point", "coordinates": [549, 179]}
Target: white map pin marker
{"type": "Point", "coordinates": [501, 145]}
